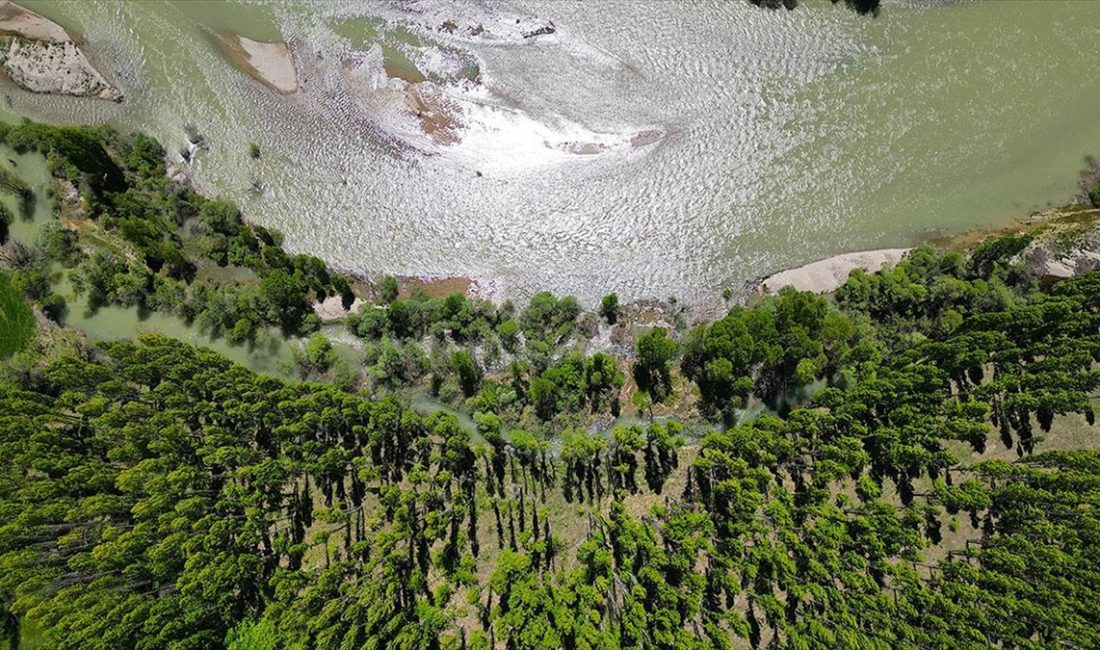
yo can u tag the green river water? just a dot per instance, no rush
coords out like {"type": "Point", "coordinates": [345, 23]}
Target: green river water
{"type": "Point", "coordinates": [774, 138]}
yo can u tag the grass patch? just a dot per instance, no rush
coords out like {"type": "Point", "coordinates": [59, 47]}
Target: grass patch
{"type": "Point", "coordinates": [16, 319]}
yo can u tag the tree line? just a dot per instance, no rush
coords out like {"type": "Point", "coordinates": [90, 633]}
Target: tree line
{"type": "Point", "coordinates": [161, 496]}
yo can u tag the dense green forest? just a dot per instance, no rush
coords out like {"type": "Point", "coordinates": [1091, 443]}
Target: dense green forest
{"type": "Point", "coordinates": [910, 463]}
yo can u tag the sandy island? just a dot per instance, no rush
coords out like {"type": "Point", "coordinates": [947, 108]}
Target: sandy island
{"type": "Point", "coordinates": [42, 57]}
{"type": "Point", "coordinates": [827, 275]}
{"type": "Point", "coordinates": [269, 63]}
{"type": "Point", "coordinates": [26, 23]}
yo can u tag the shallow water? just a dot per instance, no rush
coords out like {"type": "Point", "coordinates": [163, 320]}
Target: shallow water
{"type": "Point", "coordinates": [784, 136]}
{"type": "Point", "coordinates": [28, 217]}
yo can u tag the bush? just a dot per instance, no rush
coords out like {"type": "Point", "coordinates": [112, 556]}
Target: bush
{"type": "Point", "coordinates": [6, 218]}
{"type": "Point", "coordinates": [508, 331]}
{"type": "Point", "coordinates": [370, 323]}
{"type": "Point", "coordinates": [58, 243]}
{"type": "Point", "coordinates": [995, 250]}
{"type": "Point", "coordinates": [54, 307]}
{"type": "Point", "coordinates": [319, 353]}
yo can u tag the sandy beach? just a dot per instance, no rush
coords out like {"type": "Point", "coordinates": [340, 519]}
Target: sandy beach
{"type": "Point", "coordinates": [827, 275]}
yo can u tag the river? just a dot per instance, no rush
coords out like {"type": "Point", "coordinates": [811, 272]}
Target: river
{"type": "Point", "coordinates": [651, 148]}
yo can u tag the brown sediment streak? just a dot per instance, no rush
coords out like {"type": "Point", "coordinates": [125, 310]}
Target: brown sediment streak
{"type": "Point", "coordinates": [437, 287]}
{"type": "Point", "coordinates": [437, 115]}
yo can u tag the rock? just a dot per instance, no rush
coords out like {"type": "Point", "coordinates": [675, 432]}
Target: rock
{"type": "Point", "coordinates": [30, 25]}
{"type": "Point", "coordinates": [1041, 263]}
{"type": "Point", "coordinates": [332, 308]}
{"type": "Point", "coordinates": [177, 174]}
{"type": "Point", "coordinates": [69, 192]}
{"type": "Point", "coordinates": [548, 28]}
{"type": "Point", "coordinates": [1051, 257]}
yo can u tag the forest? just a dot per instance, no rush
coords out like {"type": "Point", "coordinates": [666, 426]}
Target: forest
{"type": "Point", "coordinates": [908, 463]}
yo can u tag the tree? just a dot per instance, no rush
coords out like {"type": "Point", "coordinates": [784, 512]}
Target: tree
{"type": "Point", "coordinates": [469, 372]}
{"type": "Point", "coordinates": [388, 289]}
{"type": "Point", "coordinates": [319, 353]}
{"type": "Point", "coordinates": [602, 381]}
{"type": "Point", "coordinates": [609, 308]}
{"type": "Point", "coordinates": [651, 370]}
{"type": "Point", "coordinates": [508, 331]}
{"type": "Point", "coordinates": [285, 297]}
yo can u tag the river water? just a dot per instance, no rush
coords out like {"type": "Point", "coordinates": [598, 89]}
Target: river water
{"type": "Point", "coordinates": [651, 148]}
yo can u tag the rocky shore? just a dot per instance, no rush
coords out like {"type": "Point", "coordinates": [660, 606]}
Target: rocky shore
{"type": "Point", "coordinates": [39, 55]}
{"type": "Point", "coordinates": [1065, 250]}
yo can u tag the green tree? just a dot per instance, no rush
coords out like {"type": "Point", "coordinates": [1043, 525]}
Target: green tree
{"type": "Point", "coordinates": [651, 370]}
{"type": "Point", "coordinates": [388, 289]}
{"type": "Point", "coordinates": [468, 370]}
{"type": "Point", "coordinates": [319, 354]}
{"type": "Point", "coordinates": [609, 308]}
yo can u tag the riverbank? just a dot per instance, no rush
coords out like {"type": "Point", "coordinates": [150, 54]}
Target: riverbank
{"type": "Point", "coordinates": [827, 275]}
{"type": "Point", "coordinates": [1065, 243]}
{"type": "Point", "coordinates": [547, 364]}
{"type": "Point", "coordinates": [591, 225]}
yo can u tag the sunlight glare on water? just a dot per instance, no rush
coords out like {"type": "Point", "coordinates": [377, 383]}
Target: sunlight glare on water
{"type": "Point", "coordinates": [649, 148]}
